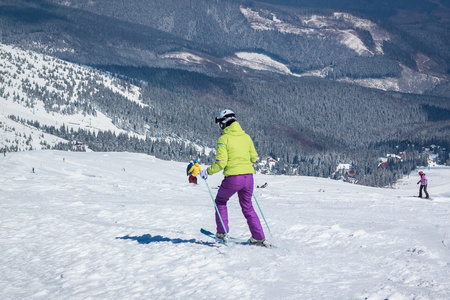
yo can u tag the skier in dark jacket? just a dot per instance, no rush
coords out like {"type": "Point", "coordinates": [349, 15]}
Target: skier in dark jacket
{"type": "Point", "coordinates": [191, 163]}
{"type": "Point", "coordinates": [423, 185]}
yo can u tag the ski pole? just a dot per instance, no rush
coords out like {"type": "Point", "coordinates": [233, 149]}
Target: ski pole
{"type": "Point", "coordinates": [217, 210]}
{"type": "Point", "coordinates": [262, 214]}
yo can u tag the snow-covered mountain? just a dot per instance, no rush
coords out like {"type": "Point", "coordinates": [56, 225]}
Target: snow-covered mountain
{"type": "Point", "coordinates": [342, 27]}
{"type": "Point", "coordinates": [127, 226]}
{"type": "Point", "coordinates": [234, 38]}
{"type": "Point", "coordinates": [68, 88]}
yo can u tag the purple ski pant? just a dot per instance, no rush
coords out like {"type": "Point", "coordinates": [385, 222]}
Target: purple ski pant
{"type": "Point", "coordinates": [243, 185]}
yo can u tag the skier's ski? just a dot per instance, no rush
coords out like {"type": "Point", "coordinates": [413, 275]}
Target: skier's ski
{"type": "Point", "coordinates": [238, 241]}
{"type": "Point", "coordinates": [212, 235]}
{"type": "Point", "coordinates": [233, 240]}
{"type": "Point", "coordinates": [423, 198]}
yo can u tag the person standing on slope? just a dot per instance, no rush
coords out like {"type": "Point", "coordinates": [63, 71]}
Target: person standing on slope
{"type": "Point", "coordinates": [423, 184]}
{"type": "Point", "coordinates": [235, 154]}
{"type": "Point", "coordinates": [193, 171]}
{"type": "Point", "coordinates": [191, 163]}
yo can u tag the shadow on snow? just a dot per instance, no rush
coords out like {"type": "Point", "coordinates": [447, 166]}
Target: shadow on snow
{"type": "Point", "coordinates": [148, 238]}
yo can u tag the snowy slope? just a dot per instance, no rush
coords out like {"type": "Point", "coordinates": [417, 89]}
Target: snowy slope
{"type": "Point", "coordinates": [24, 71]}
{"type": "Point", "coordinates": [127, 226]}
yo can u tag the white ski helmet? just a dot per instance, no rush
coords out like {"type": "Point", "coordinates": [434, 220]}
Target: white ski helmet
{"type": "Point", "coordinates": [225, 118]}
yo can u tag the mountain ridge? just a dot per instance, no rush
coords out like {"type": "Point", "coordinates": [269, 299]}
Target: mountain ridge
{"type": "Point", "coordinates": [224, 41]}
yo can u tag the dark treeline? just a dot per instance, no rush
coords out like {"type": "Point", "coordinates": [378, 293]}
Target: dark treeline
{"type": "Point", "coordinates": [107, 141]}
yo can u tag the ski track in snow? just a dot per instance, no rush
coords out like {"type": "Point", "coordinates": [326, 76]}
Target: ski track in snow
{"type": "Point", "coordinates": [127, 226]}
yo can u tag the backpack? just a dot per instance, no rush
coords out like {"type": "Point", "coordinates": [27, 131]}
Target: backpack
{"type": "Point", "coordinates": [188, 168]}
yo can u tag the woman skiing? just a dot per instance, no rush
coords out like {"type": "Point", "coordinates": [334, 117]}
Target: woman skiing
{"type": "Point", "coordinates": [235, 154]}
{"type": "Point", "coordinates": [423, 185]}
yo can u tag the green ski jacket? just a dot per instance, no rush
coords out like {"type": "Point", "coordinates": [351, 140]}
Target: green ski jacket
{"type": "Point", "coordinates": [235, 152]}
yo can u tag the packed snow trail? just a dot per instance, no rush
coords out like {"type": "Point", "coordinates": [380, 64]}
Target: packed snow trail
{"type": "Point", "coordinates": [123, 225]}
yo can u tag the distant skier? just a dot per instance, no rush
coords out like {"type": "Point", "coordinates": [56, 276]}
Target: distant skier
{"type": "Point", "coordinates": [235, 154]}
{"type": "Point", "coordinates": [191, 163]}
{"type": "Point", "coordinates": [193, 171]}
{"type": "Point", "coordinates": [423, 185]}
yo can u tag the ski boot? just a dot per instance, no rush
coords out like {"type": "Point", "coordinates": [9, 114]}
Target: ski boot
{"type": "Point", "coordinates": [223, 237]}
{"type": "Point", "coordinates": [263, 242]}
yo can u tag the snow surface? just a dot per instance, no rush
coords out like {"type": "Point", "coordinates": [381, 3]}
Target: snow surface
{"type": "Point", "coordinates": [127, 226]}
